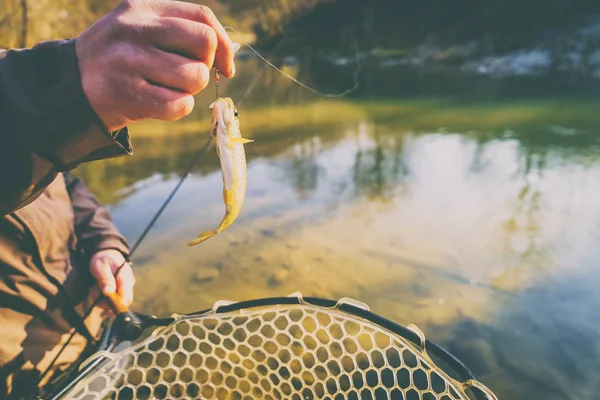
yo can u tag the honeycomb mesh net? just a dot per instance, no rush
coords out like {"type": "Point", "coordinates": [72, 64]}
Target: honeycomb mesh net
{"type": "Point", "coordinates": [294, 352]}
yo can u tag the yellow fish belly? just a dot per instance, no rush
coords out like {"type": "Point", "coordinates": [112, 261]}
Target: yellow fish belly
{"type": "Point", "coordinates": [230, 149]}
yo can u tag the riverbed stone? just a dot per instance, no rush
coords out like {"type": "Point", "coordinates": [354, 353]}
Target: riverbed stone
{"type": "Point", "coordinates": [278, 277]}
{"type": "Point", "coordinates": [205, 275]}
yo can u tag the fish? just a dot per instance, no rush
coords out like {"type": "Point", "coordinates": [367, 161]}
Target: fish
{"type": "Point", "coordinates": [225, 129]}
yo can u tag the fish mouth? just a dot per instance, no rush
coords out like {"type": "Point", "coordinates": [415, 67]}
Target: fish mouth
{"type": "Point", "coordinates": [227, 100]}
{"type": "Point", "coordinates": [225, 110]}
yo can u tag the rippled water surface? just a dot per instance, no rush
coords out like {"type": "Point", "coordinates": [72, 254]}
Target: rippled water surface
{"type": "Point", "coordinates": [478, 221]}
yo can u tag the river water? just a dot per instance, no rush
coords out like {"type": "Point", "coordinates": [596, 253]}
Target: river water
{"type": "Point", "coordinates": [475, 218]}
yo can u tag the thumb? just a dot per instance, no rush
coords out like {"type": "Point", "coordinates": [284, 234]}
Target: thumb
{"type": "Point", "coordinates": [102, 271]}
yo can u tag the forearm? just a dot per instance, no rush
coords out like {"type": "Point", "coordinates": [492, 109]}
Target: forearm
{"type": "Point", "coordinates": [46, 123]}
{"type": "Point", "coordinates": [94, 226]}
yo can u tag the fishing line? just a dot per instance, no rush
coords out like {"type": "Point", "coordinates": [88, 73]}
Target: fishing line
{"type": "Point", "coordinates": [193, 165]}
{"type": "Point", "coordinates": [356, 72]}
{"type": "Point", "coordinates": [262, 71]}
{"type": "Point", "coordinates": [197, 160]}
{"type": "Point", "coordinates": [157, 215]}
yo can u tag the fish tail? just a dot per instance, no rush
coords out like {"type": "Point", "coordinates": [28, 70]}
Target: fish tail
{"type": "Point", "coordinates": [202, 237]}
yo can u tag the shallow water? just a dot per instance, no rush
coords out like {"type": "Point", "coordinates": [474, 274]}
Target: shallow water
{"type": "Point", "coordinates": [478, 221]}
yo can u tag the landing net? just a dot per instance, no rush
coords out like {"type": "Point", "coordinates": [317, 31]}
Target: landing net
{"type": "Point", "coordinates": [277, 351]}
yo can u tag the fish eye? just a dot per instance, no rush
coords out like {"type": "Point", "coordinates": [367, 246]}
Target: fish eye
{"type": "Point", "coordinates": [235, 113]}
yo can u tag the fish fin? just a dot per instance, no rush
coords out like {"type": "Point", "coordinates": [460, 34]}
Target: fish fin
{"type": "Point", "coordinates": [202, 237]}
{"type": "Point", "coordinates": [212, 105]}
{"type": "Point", "coordinates": [233, 141]}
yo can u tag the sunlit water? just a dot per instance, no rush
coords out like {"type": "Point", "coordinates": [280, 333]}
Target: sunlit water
{"type": "Point", "coordinates": [480, 227]}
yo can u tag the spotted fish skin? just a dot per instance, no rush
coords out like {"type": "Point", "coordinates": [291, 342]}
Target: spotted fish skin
{"type": "Point", "coordinates": [225, 128]}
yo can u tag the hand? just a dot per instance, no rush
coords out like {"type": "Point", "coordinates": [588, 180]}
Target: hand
{"type": "Point", "coordinates": [103, 266]}
{"type": "Point", "coordinates": [147, 58]}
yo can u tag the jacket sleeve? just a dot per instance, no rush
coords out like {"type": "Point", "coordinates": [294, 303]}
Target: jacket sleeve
{"type": "Point", "coordinates": [94, 227]}
{"type": "Point", "coordinates": [46, 123]}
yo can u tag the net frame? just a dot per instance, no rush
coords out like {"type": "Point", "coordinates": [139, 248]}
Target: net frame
{"type": "Point", "coordinates": [113, 347]}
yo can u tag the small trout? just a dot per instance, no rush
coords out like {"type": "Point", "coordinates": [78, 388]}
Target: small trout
{"type": "Point", "coordinates": [225, 128]}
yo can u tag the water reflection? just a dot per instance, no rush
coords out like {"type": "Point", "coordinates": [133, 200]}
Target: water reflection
{"type": "Point", "coordinates": [523, 245]}
{"type": "Point", "coordinates": [477, 222]}
{"type": "Point", "coordinates": [379, 169]}
{"type": "Point", "coordinates": [302, 169]}
{"type": "Point", "coordinates": [541, 345]}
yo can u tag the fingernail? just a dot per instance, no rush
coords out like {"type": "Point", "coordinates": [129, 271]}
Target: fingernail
{"type": "Point", "coordinates": [236, 47]}
{"type": "Point", "coordinates": [232, 69]}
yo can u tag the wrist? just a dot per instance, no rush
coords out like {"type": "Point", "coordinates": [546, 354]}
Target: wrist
{"type": "Point", "coordinates": [111, 243]}
{"type": "Point", "coordinates": [44, 100]}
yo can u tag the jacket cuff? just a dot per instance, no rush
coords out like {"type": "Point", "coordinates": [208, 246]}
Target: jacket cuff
{"type": "Point", "coordinates": [57, 121]}
{"type": "Point", "coordinates": [108, 243]}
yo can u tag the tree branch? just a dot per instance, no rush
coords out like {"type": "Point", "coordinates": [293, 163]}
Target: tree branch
{"type": "Point", "coordinates": [24, 21]}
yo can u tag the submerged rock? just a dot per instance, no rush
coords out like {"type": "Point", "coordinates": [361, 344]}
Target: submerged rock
{"type": "Point", "coordinates": [205, 275]}
{"type": "Point", "coordinates": [526, 63]}
{"type": "Point", "coordinates": [278, 277]}
{"type": "Point", "coordinates": [268, 232]}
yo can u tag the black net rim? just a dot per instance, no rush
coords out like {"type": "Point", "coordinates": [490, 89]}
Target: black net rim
{"type": "Point", "coordinates": [462, 372]}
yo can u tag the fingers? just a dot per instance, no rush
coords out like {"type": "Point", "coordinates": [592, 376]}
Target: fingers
{"type": "Point", "coordinates": [188, 38]}
{"type": "Point", "coordinates": [104, 266]}
{"type": "Point", "coordinates": [198, 13]}
{"type": "Point", "coordinates": [125, 283]}
{"type": "Point", "coordinates": [147, 58]}
{"type": "Point", "coordinates": [173, 71]}
{"type": "Point", "coordinates": [95, 292]}
{"type": "Point", "coordinates": [102, 271]}
{"type": "Point", "coordinates": [103, 303]}
{"type": "Point", "coordinates": [163, 103]}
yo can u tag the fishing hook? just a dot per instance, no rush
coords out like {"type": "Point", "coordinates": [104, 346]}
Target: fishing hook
{"type": "Point", "coordinates": [217, 82]}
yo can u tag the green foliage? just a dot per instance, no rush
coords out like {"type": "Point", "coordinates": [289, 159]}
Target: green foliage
{"type": "Point", "coordinates": [10, 23]}
{"type": "Point", "coordinates": [49, 19]}
{"type": "Point", "coordinates": [58, 19]}
{"type": "Point", "coordinates": [270, 17]}
{"type": "Point", "coordinates": [325, 23]}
